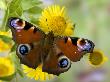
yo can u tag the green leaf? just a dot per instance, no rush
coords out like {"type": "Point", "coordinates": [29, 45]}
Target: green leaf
{"type": "Point", "coordinates": [13, 48]}
{"type": "Point", "coordinates": [6, 39]}
{"type": "Point", "coordinates": [2, 4]}
{"type": "Point", "coordinates": [19, 10]}
{"type": "Point", "coordinates": [34, 10]}
{"type": "Point", "coordinates": [20, 71]}
{"type": "Point", "coordinates": [16, 13]}
{"type": "Point", "coordinates": [4, 23]}
{"type": "Point", "coordinates": [14, 5]}
{"type": "Point", "coordinates": [27, 4]}
{"type": "Point", "coordinates": [13, 9]}
{"type": "Point", "coordinates": [8, 78]}
{"type": "Point", "coordinates": [34, 20]}
{"type": "Point", "coordinates": [16, 61]}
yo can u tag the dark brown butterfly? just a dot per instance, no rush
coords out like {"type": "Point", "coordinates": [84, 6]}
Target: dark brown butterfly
{"type": "Point", "coordinates": [55, 53]}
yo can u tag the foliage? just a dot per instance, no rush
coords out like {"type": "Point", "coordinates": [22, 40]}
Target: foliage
{"type": "Point", "coordinates": [91, 17]}
{"type": "Point", "coordinates": [17, 8]}
{"type": "Point", "coordinates": [16, 61]}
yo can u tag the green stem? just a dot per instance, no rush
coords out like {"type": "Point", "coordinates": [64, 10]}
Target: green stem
{"type": "Point", "coordinates": [4, 23]}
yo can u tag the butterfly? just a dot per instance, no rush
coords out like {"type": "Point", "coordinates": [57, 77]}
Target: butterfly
{"type": "Point", "coordinates": [55, 53]}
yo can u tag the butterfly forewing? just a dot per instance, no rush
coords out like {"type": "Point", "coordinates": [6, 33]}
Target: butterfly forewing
{"type": "Point", "coordinates": [24, 32]}
{"type": "Point", "coordinates": [72, 49]}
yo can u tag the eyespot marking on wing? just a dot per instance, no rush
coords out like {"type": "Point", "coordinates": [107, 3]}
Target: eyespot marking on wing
{"type": "Point", "coordinates": [23, 49]}
{"type": "Point", "coordinates": [85, 45]}
{"type": "Point", "coordinates": [16, 23]}
{"type": "Point", "coordinates": [64, 62]}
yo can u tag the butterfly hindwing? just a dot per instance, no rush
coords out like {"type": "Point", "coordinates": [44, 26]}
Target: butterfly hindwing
{"type": "Point", "coordinates": [30, 54]}
{"type": "Point", "coordinates": [56, 62]}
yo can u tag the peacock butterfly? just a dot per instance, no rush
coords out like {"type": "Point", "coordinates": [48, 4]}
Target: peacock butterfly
{"type": "Point", "coordinates": [55, 53]}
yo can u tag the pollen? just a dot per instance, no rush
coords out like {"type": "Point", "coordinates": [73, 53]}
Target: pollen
{"type": "Point", "coordinates": [57, 25]}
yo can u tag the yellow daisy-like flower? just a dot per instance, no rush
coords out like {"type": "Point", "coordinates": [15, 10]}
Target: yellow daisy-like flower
{"type": "Point", "coordinates": [97, 58]}
{"type": "Point", "coordinates": [37, 73]}
{"type": "Point", "coordinates": [6, 67]}
{"type": "Point", "coordinates": [4, 33]}
{"type": "Point", "coordinates": [54, 19]}
{"type": "Point", "coordinates": [4, 46]}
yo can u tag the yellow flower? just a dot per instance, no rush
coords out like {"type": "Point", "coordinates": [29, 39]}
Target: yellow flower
{"type": "Point", "coordinates": [54, 19]}
{"type": "Point", "coordinates": [6, 67]}
{"type": "Point", "coordinates": [4, 46]}
{"type": "Point", "coordinates": [4, 33]}
{"type": "Point", "coordinates": [37, 73]}
{"type": "Point", "coordinates": [97, 58]}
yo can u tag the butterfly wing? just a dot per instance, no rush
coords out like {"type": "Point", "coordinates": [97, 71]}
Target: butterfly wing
{"type": "Point", "coordinates": [24, 32]}
{"type": "Point", "coordinates": [28, 39]}
{"type": "Point", "coordinates": [74, 48]}
{"type": "Point", "coordinates": [29, 50]}
{"type": "Point", "coordinates": [56, 62]}
{"type": "Point", "coordinates": [29, 54]}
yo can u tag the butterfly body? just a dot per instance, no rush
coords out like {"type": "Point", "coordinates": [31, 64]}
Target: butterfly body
{"type": "Point", "coordinates": [55, 53]}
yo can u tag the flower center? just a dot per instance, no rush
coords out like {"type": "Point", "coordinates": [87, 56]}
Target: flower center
{"type": "Point", "coordinates": [96, 58]}
{"type": "Point", "coordinates": [3, 70]}
{"type": "Point", "coordinates": [57, 24]}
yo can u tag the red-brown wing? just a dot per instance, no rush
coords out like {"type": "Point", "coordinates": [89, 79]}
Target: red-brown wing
{"type": "Point", "coordinates": [30, 54]}
{"type": "Point", "coordinates": [56, 62]}
{"type": "Point", "coordinates": [74, 48]}
{"type": "Point", "coordinates": [28, 38]}
{"type": "Point", "coordinates": [24, 32]}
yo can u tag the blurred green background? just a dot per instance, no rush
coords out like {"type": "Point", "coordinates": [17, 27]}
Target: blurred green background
{"type": "Point", "coordinates": [92, 19]}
